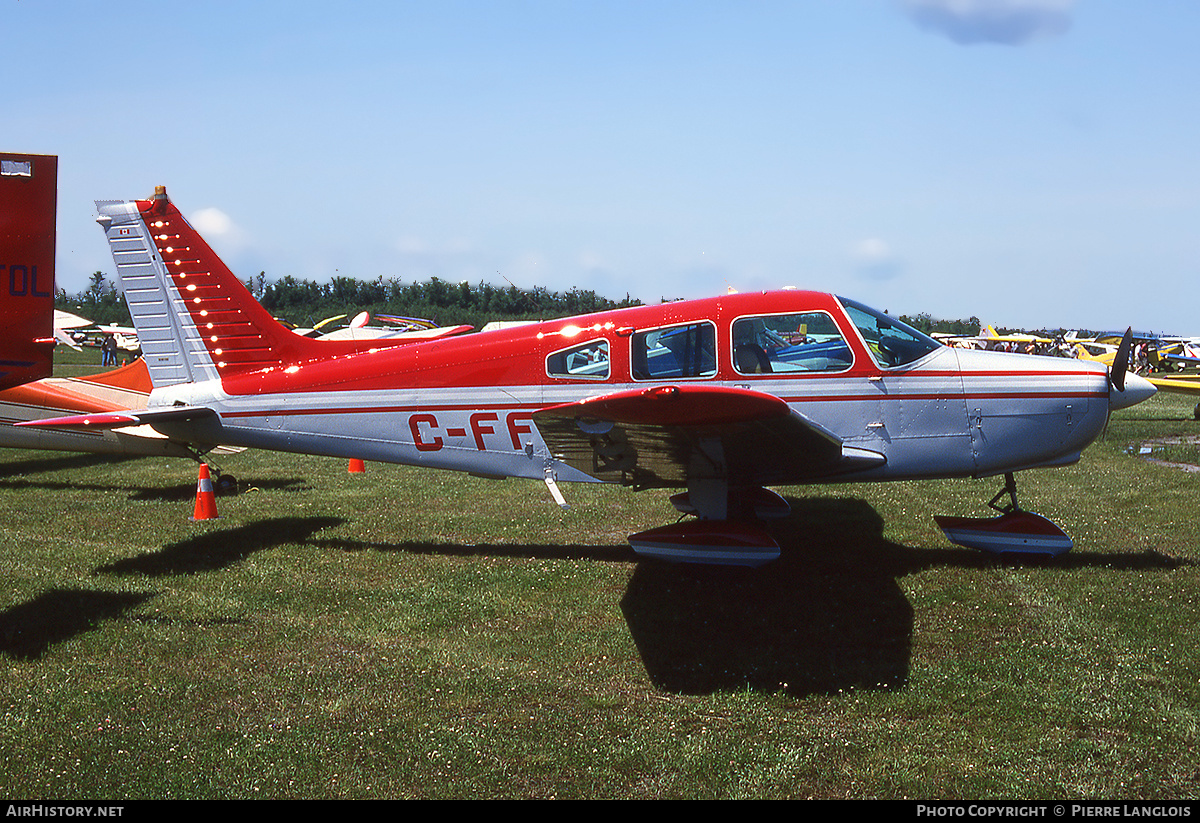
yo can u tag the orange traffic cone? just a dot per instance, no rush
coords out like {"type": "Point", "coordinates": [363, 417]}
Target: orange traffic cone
{"type": "Point", "coordinates": [356, 466]}
{"type": "Point", "coordinates": [206, 501]}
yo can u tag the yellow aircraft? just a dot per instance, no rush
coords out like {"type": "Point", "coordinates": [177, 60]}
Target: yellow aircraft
{"type": "Point", "coordinates": [1017, 338]}
{"type": "Point", "coordinates": [989, 338]}
{"type": "Point", "coordinates": [1100, 352]}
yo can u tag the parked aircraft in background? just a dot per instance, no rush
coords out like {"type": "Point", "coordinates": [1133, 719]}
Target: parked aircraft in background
{"type": "Point", "coordinates": [316, 330]}
{"type": "Point", "coordinates": [990, 340]}
{"type": "Point", "coordinates": [64, 322]}
{"type": "Point", "coordinates": [1100, 352]}
{"type": "Point", "coordinates": [718, 398]}
{"type": "Point", "coordinates": [1175, 356]}
{"type": "Point", "coordinates": [409, 328]}
{"type": "Point", "coordinates": [125, 337]}
{"type": "Point", "coordinates": [1155, 353]}
{"type": "Point", "coordinates": [1015, 339]}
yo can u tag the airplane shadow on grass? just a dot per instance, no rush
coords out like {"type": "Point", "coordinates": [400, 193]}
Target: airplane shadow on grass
{"type": "Point", "coordinates": [22, 474]}
{"type": "Point", "coordinates": [58, 461]}
{"type": "Point", "coordinates": [28, 629]}
{"type": "Point", "coordinates": [829, 615]}
{"type": "Point", "coordinates": [214, 550]}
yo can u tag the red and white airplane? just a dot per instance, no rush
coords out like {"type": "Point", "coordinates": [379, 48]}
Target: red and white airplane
{"type": "Point", "coordinates": [718, 398]}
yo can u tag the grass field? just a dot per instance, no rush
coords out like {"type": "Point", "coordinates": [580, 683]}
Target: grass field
{"type": "Point", "coordinates": [405, 634]}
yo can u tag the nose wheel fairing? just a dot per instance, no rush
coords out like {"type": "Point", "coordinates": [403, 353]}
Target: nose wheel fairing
{"type": "Point", "coordinates": [1018, 532]}
{"type": "Point", "coordinates": [1014, 531]}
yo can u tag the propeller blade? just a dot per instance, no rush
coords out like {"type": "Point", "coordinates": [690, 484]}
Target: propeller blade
{"type": "Point", "coordinates": [1121, 362]}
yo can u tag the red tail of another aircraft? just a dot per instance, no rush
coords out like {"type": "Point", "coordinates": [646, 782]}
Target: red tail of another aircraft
{"type": "Point", "coordinates": [28, 204]}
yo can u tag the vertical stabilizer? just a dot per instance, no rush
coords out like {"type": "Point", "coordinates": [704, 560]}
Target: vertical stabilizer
{"type": "Point", "coordinates": [195, 320]}
{"type": "Point", "coordinates": [28, 204]}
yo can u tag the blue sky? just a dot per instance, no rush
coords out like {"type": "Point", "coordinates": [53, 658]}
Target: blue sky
{"type": "Point", "coordinates": [1033, 163]}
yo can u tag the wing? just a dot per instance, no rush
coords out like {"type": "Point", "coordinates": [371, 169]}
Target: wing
{"type": "Point", "coordinates": [1177, 384]}
{"type": "Point", "coordinates": [1181, 359]}
{"type": "Point", "coordinates": [661, 436]}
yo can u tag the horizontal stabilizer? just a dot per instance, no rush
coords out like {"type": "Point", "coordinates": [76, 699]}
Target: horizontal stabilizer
{"type": "Point", "coordinates": [117, 420]}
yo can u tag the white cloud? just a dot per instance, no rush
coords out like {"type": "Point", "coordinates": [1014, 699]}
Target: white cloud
{"type": "Point", "coordinates": [212, 222]}
{"type": "Point", "coordinates": [1007, 22]}
{"type": "Point", "coordinates": [219, 230]}
{"type": "Point", "coordinates": [872, 250]}
{"type": "Point", "coordinates": [874, 259]}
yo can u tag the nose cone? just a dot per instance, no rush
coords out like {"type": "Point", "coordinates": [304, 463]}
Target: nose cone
{"type": "Point", "coordinates": [1136, 390]}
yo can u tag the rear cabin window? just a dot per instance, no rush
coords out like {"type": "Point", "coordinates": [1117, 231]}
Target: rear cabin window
{"type": "Point", "coordinates": [789, 343]}
{"type": "Point", "coordinates": [587, 361]}
{"type": "Point", "coordinates": [678, 351]}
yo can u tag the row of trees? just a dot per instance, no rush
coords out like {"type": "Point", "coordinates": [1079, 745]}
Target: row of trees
{"type": "Point", "coordinates": [100, 302]}
{"type": "Point", "coordinates": [924, 322]}
{"type": "Point", "coordinates": [306, 302]}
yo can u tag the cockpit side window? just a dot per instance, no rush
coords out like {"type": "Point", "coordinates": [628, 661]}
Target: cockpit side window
{"type": "Point", "coordinates": [587, 361]}
{"type": "Point", "coordinates": [891, 342]}
{"type": "Point", "coordinates": [678, 351]}
{"type": "Point", "coordinates": [783, 343]}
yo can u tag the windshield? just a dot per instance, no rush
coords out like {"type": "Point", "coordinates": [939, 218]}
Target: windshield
{"type": "Point", "coordinates": [890, 342]}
